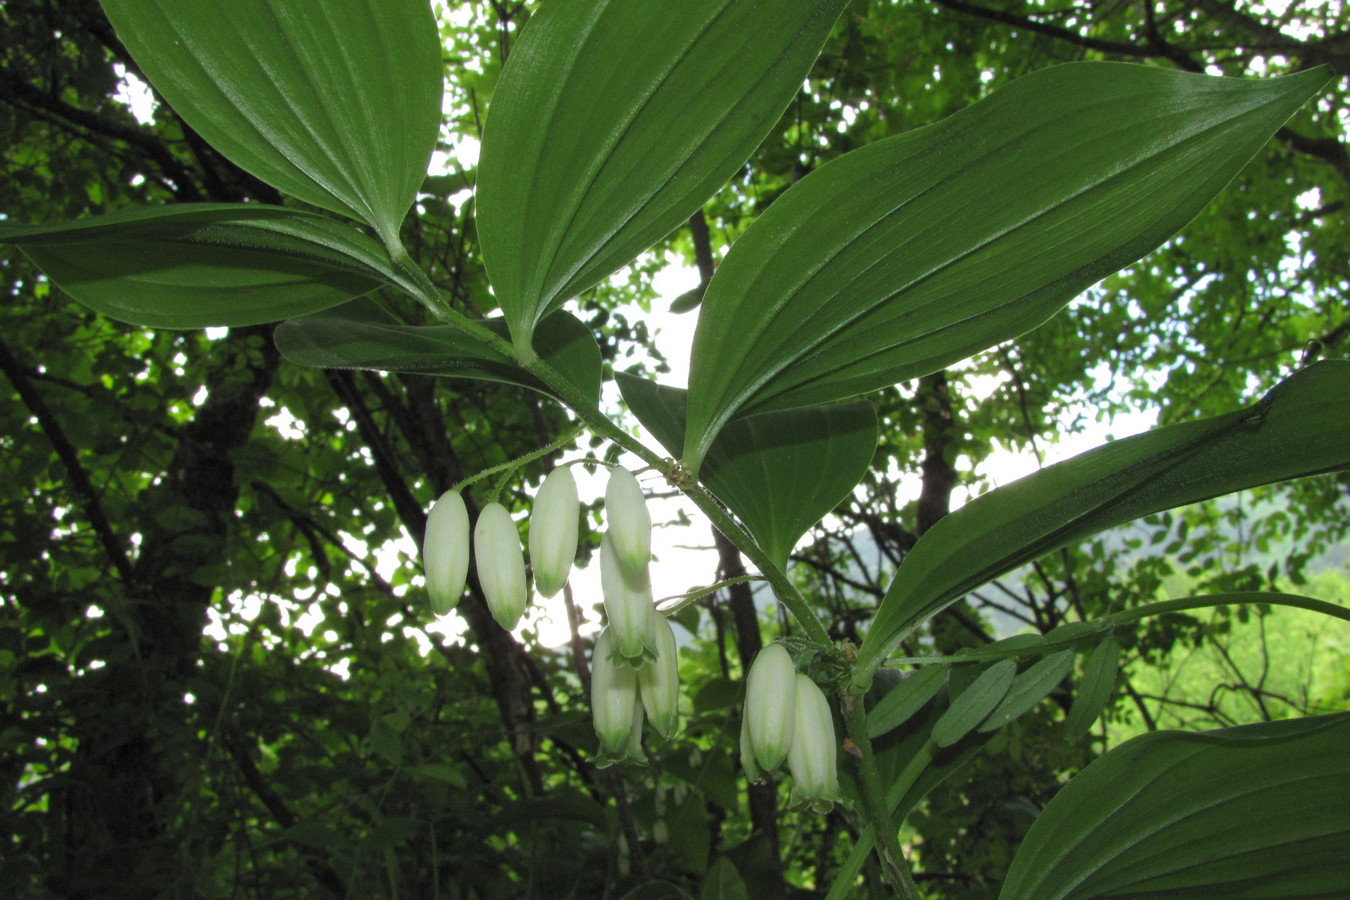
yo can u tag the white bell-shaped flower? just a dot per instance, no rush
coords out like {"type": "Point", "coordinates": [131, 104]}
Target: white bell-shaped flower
{"type": "Point", "coordinates": [813, 758]}
{"type": "Point", "coordinates": [445, 551]}
{"type": "Point", "coordinates": [629, 606]}
{"type": "Point", "coordinates": [500, 564]}
{"type": "Point", "coordinates": [629, 522]}
{"type": "Point", "coordinates": [553, 531]}
{"type": "Point", "coordinates": [614, 695]}
{"type": "Point", "coordinates": [659, 681]}
{"type": "Point", "coordinates": [770, 706]}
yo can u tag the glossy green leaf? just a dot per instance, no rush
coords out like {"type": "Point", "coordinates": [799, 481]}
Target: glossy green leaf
{"type": "Point", "coordinates": [1259, 811]}
{"type": "Point", "coordinates": [917, 251]}
{"type": "Point", "coordinates": [1029, 688]}
{"type": "Point", "coordinates": [614, 121]}
{"type": "Point", "coordinates": [336, 102]}
{"type": "Point", "coordinates": [779, 473]}
{"type": "Point", "coordinates": [195, 264]}
{"type": "Point", "coordinates": [905, 699]}
{"type": "Point", "coordinates": [975, 703]}
{"type": "Point", "coordinates": [1099, 680]}
{"type": "Point", "coordinates": [1301, 427]}
{"type": "Point", "coordinates": [362, 335]}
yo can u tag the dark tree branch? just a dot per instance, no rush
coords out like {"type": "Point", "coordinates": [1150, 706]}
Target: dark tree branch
{"type": "Point", "coordinates": [17, 92]}
{"type": "Point", "coordinates": [1261, 36]}
{"type": "Point", "coordinates": [70, 460]}
{"type": "Point", "coordinates": [1152, 49]}
{"type": "Point", "coordinates": [939, 476]}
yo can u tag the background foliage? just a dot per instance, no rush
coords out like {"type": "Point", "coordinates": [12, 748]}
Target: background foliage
{"type": "Point", "coordinates": [213, 666]}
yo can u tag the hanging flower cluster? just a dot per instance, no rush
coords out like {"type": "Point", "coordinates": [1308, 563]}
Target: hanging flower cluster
{"type": "Point", "coordinates": [635, 672]}
{"type": "Point", "coordinates": [788, 717]}
{"type": "Point", "coordinates": [499, 560]}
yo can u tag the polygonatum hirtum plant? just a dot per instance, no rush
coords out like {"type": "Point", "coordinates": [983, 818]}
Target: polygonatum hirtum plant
{"type": "Point", "coordinates": [615, 120]}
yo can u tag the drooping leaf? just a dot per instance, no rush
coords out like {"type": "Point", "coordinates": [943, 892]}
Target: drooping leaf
{"type": "Point", "coordinates": [614, 120]}
{"type": "Point", "coordinates": [780, 473]}
{"type": "Point", "coordinates": [196, 264]}
{"type": "Point", "coordinates": [914, 252]}
{"type": "Point", "coordinates": [1029, 688]}
{"type": "Point", "coordinates": [1258, 811]}
{"type": "Point", "coordinates": [1099, 679]}
{"type": "Point", "coordinates": [1301, 427]}
{"type": "Point", "coordinates": [905, 699]}
{"type": "Point", "coordinates": [336, 102]}
{"type": "Point", "coordinates": [723, 882]}
{"type": "Point", "coordinates": [362, 335]}
{"type": "Point", "coordinates": [974, 703]}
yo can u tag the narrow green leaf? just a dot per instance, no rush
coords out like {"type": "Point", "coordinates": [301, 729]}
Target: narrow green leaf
{"type": "Point", "coordinates": [1301, 427]}
{"type": "Point", "coordinates": [1016, 645]}
{"type": "Point", "coordinates": [1029, 688]}
{"type": "Point", "coordinates": [1099, 680]}
{"type": "Point", "coordinates": [1259, 811]}
{"type": "Point", "coordinates": [974, 703]}
{"type": "Point", "coordinates": [336, 102]}
{"type": "Point", "coordinates": [917, 251]}
{"type": "Point", "coordinates": [905, 699]}
{"type": "Point", "coordinates": [614, 121]}
{"type": "Point", "coordinates": [197, 264]}
{"type": "Point", "coordinates": [362, 335]}
{"type": "Point", "coordinates": [779, 473]}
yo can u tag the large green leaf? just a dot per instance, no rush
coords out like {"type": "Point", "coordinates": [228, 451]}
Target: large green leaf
{"type": "Point", "coordinates": [781, 472]}
{"type": "Point", "coordinates": [336, 102]}
{"type": "Point", "coordinates": [1301, 427]}
{"type": "Point", "coordinates": [897, 259]}
{"type": "Point", "coordinates": [362, 335]}
{"type": "Point", "coordinates": [614, 120]}
{"type": "Point", "coordinates": [196, 264]}
{"type": "Point", "coordinates": [1259, 811]}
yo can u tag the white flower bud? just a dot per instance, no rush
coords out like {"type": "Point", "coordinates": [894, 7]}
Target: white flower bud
{"type": "Point", "coordinates": [614, 695]}
{"type": "Point", "coordinates": [812, 759]}
{"type": "Point", "coordinates": [500, 565]}
{"type": "Point", "coordinates": [630, 524]}
{"type": "Point", "coordinates": [629, 605]}
{"type": "Point", "coordinates": [659, 681]}
{"type": "Point", "coordinates": [553, 531]}
{"type": "Point", "coordinates": [770, 706]}
{"type": "Point", "coordinates": [445, 551]}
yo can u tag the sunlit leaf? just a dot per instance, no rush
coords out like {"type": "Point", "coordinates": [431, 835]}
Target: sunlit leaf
{"type": "Point", "coordinates": [195, 265]}
{"type": "Point", "coordinates": [362, 335]}
{"type": "Point", "coordinates": [779, 473]}
{"type": "Point", "coordinates": [1301, 427]}
{"type": "Point", "coordinates": [336, 102]}
{"type": "Point", "coordinates": [917, 251]}
{"type": "Point", "coordinates": [1259, 811]}
{"type": "Point", "coordinates": [614, 121]}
